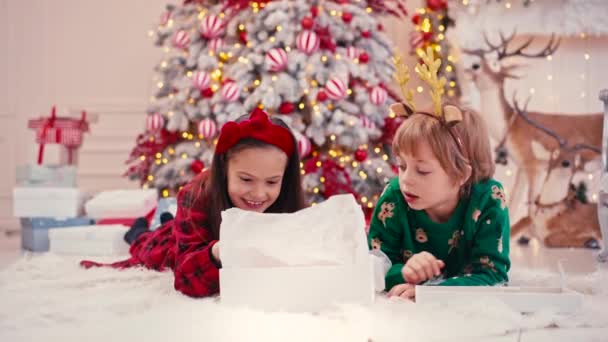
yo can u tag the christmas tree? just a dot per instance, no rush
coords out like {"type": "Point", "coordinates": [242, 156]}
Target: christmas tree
{"type": "Point", "coordinates": [323, 66]}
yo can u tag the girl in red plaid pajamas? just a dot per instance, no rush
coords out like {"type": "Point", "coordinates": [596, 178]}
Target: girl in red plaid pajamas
{"type": "Point", "coordinates": [255, 167]}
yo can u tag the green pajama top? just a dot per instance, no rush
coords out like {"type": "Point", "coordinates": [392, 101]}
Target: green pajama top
{"type": "Point", "coordinates": [473, 243]}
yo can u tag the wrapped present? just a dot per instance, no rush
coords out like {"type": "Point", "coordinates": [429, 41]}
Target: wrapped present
{"type": "Point", "coordinates": [47, 202]}
{"type": "Point", "coordinates": [121, 204]}
{"type": "Point", "coordinates": [65, 131]}
{"type": "Point", "coordinates": [125, 221]}
{"type": "Point", "coordinates": [165, 205]}
{"type": "Point", "coordinates": [35, 231]}
{"type": "Point", "coordinates": [325, 263]}
{"type": "Point", "coordinates": [89, 240]}
{"type": "Point", "coordinates": [45, 175]}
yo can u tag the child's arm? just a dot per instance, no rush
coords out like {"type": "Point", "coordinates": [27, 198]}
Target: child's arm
{"type": "Point", "coordinates": [489, 261]}
{"type": "Point", "coordinates": [196, 273]}
{"type": "Point", "coordinates": [386, 234]}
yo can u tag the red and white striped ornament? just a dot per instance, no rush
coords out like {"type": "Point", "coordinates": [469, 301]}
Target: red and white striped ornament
{"type": "Point", "coordinates": [416, 39]}
{"type": "Point", "coordinates": [367, 123]}
{"type": "Point", "coordinates": [230, 92]}
{"type": "Point", "coordinates": [378, 95]}
{"type": "Point", "coordinates": [201, 80]}
{"type": "Point", "coordinates": [207, 128]}
{"type": "Point", "coordinates": [276, 59]}
{"type": "Point", "coordinates": [335, 89]}
{"type": "Point", "coordinates": [164, 18]}
{"type": "Point", "coordinates": [216, 44]}
{"type": "Point", "coordinates": [304, 145]}
{"type": "Point", "coordinates": [181, 39]}
{"type": "Point", "coordinates": [352, 52]}
{"type": "Point", "coordinates": [211, 27]}
{"type": "Point", "coordinates": [154, 122]}
{"type": "Point", "coordinates": [308, 42]}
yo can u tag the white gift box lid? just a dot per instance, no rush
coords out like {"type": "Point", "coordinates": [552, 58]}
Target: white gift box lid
{"type": "Point", "coordinates": [92, 233]}
{"type": "Point", "coordinates": [522, 299]}
{"type": "Point", "coordinates": [98, 240]}
{"type": "Point", "coordinates": [47, 202]}
{"type": "Point", "coordinates": [46, 193]}
{"type": "Point", "coordinates": [122, 203]}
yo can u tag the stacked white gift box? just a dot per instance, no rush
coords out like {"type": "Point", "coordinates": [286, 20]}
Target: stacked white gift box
{"type": "Point", "coordinates": [51, 207]}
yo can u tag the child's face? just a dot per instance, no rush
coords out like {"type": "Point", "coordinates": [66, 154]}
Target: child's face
{"type": "Point", "coordinates": [424, 183]}
{"type": "Point", "coordinates": [254, 177]}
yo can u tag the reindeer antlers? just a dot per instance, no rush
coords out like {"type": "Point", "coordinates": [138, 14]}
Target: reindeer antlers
{"type": "Point", "coordinates": [402, 76]}
{"type": "Point", "coordinates": [428, 73]}
{"type": "Point", "coordinates": [501, 48]}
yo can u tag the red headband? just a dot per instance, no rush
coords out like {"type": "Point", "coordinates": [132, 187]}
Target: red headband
{"type": "Point", "coordinates": [258, 127]}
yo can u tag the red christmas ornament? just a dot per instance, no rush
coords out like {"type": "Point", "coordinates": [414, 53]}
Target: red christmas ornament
{"type": "Point", "coordinates": [197, 166]}
{"type": "Point", "coordinates": [207, 93]}
{"type": "Point", "coordinates": [427, 36]}
{"type": "Point", "coordinates": [307, 23]}
{"type": "Point", "coordinates": [314, 11]}
{"type": "Point", "coordinates": [363, 57]}
{"type": "Point", "coordinates": [416, 19]}
{"type": "Point", "coordinates": [366, 34]}
{"type": "Point", "coordinates": [360, 155]}
{"type": "Point", "coordinates": [347, 17]}
{"type": "Point", "coordinates": [436, 5]}
{"type": "Point", "coordinates": [243, 37]}
{"type": "Point", "coordinates": [321, 96]}
{"type": "Point", "coordinates": [286, 108]}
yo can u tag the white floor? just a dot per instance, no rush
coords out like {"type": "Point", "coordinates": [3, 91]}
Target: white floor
{"type": "Point", "coordinates": [49, 297]}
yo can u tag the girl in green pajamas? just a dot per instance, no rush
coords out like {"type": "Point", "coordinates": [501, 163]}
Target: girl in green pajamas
{"type": "Point", "coordinates": [443, 220]}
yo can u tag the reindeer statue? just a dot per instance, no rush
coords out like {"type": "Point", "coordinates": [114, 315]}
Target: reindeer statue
{"type": "Point", "coordinates": [571, 221]}
{"type": "Point", "coordinates": [488, 69]}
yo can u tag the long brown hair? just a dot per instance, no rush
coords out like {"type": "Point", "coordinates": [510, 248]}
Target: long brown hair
{"type": "Point", "coordinates": [214, 187]}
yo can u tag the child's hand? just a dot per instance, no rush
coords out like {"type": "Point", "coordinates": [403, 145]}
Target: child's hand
{"type": "Point", "coordinates": [215, 251]}
{"type": "Point", "coordinates": [407, 291]}
{"type": "Point", "coordinates": [420, 267]}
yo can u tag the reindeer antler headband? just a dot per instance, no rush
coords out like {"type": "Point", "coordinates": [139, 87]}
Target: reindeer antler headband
{"type": "Point", "coordinates": [448, 115]}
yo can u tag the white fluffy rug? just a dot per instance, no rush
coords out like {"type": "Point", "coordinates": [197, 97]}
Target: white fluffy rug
{"type": "Point", "coordinates": [50, 298]}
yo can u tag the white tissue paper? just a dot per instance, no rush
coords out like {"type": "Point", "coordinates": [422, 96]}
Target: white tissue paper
{"type": "Point", "coordinates": [319, 253]}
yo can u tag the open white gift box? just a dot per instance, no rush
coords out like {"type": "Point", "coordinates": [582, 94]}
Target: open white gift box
{"type": "Point", "coordinates": [521, 299]}
{"type": "Point", "coordinates": [305, 261]}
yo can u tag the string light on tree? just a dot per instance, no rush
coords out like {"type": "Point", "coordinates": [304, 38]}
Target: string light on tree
{"type": "Point", "coordinates": [431, 24]}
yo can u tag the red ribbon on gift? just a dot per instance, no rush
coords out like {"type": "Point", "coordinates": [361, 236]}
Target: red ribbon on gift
{"type": "Point", "coordinates": [58, 130]}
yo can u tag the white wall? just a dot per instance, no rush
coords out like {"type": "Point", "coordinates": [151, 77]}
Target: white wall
{"type": "Point", "coordinates": [78, 54]}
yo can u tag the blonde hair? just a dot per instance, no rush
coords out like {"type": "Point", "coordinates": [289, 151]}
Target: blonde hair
{"type": "Point", "coordinates": [474, 136]}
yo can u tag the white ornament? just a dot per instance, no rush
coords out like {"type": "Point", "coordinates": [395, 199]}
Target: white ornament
{"type": "Point", "coordinates": [154, 122]}
{"type": "Point", "coordinates": [335, 89]}
{"type": "Point", "coordinates": [201, 80]}
{"type": "Point", "coordinates": [276, 59]}
{"type": "Point", "coordinates": [231, 92]}
{"type": "Point", "coordinates": [207, 128]}
{"type": "Point", "coordinates": [378, 95]}
{"type": "Point", "coordinates": [308, 42]}
{"type": "Point", "coordinates": [211, 27]}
